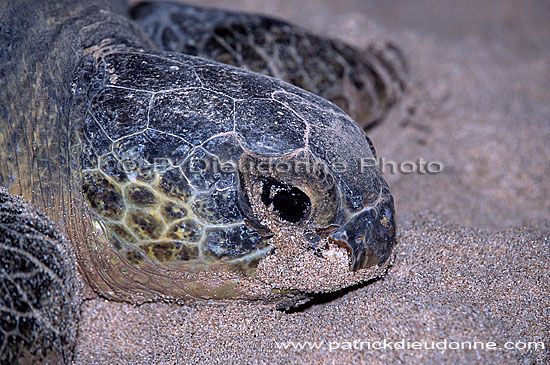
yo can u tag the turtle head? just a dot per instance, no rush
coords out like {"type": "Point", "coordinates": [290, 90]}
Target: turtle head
{"type": "Point", "coordinates": [200, 178]}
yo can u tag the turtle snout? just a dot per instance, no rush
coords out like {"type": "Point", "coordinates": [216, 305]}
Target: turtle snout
{"type": "Point", "coordinates": [369, 235]}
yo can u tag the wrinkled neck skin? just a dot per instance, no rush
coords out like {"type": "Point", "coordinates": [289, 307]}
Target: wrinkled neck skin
{"type": "Point", "coordinates": [42, 48]}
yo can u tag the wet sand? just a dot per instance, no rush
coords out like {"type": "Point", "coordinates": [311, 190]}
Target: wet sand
{"type": "Point", "coordinates": [475, 268]}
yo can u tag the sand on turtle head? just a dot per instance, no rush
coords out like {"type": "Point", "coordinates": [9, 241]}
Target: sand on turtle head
{"type": "Point", "coordinates": [296, 265]}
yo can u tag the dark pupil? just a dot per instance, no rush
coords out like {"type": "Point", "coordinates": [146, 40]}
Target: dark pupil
{"type": "Point", "coordinates": [289, 202]}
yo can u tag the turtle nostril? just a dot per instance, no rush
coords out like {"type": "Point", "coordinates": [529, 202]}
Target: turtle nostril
{"type": "Point", "coordinates": [289, 202]}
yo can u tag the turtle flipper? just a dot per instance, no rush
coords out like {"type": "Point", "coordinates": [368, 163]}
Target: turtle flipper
{"type": "Point", "coordinates": [363, 83]}
{"type": "Point", "coordinates": [39, 294]}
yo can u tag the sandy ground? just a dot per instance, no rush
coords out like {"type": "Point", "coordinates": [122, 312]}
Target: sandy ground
{"type": "Point", "coordinates": [478, 104]}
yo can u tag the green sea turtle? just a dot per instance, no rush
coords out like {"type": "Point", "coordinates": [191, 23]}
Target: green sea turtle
{"type": "Point", "coordinates": [178, 177]}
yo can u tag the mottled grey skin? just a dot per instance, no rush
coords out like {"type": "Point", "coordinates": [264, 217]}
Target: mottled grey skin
{"type": "Point", "coordinates": [363, 83]}
{"type": "Point", "coordinates": [39, 292]}
{"type": "Point", "coordinates": [107, 136]}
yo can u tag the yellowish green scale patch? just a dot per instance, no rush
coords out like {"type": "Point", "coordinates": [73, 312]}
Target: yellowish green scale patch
{"type": "Point", "coordinates": [140, 196]}
{"type": "Point", "coordinates": [144, 220]}
{"type": "Point", "coordinates": [144, 224]}
{"type": "Point", "coordinates": [187, 230]}
{"type": "Point", "coordinates": [171, 211]}
{"type": "Point", "coordinates": [159, 218]}
{"type": "Point", "coordinates": [103, 195]}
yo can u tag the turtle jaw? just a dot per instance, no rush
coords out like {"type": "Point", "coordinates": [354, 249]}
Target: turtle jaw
{"type": "Point", "coordinates": [369, 235]}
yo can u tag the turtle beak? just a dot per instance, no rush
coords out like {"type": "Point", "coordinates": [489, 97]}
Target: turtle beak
{"type": "Point", "coordinates": [369, 235]}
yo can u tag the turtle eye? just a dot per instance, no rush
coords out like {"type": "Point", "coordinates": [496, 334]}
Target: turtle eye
{"type": "Point", "coordinates": [289, 203]}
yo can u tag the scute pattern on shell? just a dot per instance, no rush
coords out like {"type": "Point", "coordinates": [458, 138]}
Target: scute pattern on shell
{"type": "Point", "coordinates": [363, 82]}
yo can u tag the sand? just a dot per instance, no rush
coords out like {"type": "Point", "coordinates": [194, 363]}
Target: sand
{"type": "Point", "coordinates": [475, 268]}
